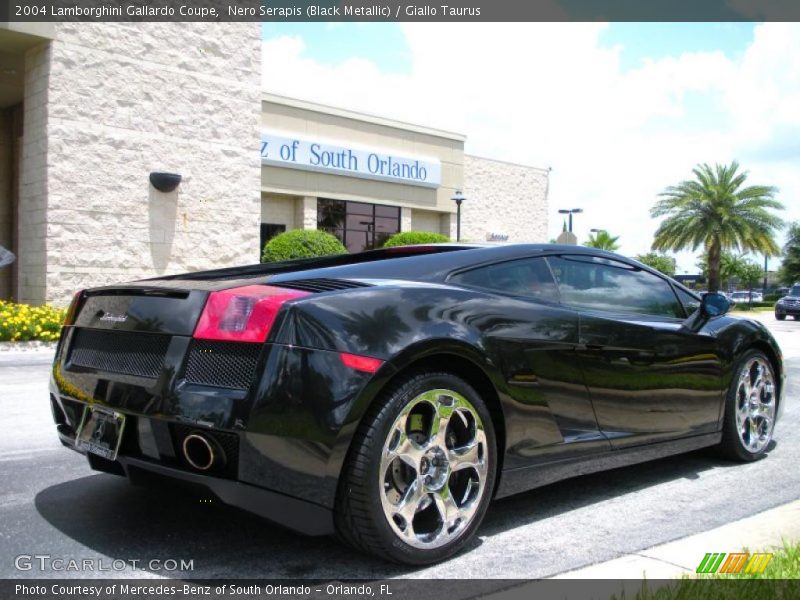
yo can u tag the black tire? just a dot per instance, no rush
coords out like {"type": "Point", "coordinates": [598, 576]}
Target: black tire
{"type": "Point", "coordinates": [796, 317]}
{"type": "Point", "coordinates": [732, 446]}
{"type": "Point", "coordinates": [780, 317]}
{"type": "Point", "coordinates": [360, 518]}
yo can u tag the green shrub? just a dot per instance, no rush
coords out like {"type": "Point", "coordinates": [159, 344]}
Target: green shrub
{"type": "Point", "coordinates": [408, 238]}
{"type": "Point", "coordinates": [22, 323]}
{"type": "Point", "coordinates": [301, 243]}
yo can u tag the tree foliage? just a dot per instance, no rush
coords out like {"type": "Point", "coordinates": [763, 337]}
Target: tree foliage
{"type": "Point", "coordinates": [749, 274]}
{"type": "Point", "coordinates": [734, 269]}
{"type": "Point", "coordinates": [603, 241]}
{"type": "Point", "coordinates": [790, 270]}
{"type": "Point", "coordinates": [659, 262]}
{"type": "Point", "coordinates": [716, 211]}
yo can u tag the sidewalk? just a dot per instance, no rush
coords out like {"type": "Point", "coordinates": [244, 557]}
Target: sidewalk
{"type": "Point", "coordinates": [762, 531]}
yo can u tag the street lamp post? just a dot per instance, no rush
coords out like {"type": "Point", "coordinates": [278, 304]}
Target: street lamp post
{"type": "Point", "coordinates": [458, 198]}
{"type": "Point", "coordinates": [765, 273]}
{"type": "Point", "coordinates": [570, 212]}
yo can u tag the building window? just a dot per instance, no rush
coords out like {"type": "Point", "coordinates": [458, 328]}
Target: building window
{"type": "Point", "coordinates": [269, 231]}
{"type": "Point", "coordinates": [359, 225]}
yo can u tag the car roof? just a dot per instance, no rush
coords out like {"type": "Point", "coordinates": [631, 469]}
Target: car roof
{"type": "Point", "coordinates": [436, 266]}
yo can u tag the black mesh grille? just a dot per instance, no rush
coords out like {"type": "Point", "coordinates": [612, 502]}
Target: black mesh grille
{"type": "Point", "coordinates": [139, 354]}
{"type": "Point", "coordinates": [320, 285]}
{"type": "Point", "coordinates": [222, 364]}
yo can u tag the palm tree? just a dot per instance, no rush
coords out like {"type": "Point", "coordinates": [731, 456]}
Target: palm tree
{"type": "Point", "coordinates": [715, 210]}
{"type": "Point", "coordinates": [603, 240]}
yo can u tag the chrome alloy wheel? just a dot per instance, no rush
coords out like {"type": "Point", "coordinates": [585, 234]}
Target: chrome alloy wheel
{"type": "Point", "coordinates": [433, 469]}
{"type": "Point", "coordinates": [755, 405]}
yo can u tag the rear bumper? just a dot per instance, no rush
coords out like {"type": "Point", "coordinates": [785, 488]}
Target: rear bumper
{"type": "Point", "coordinates": [299, 515]}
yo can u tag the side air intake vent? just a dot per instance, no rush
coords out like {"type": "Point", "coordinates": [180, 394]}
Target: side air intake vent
{"type": "Point", "coordinates": [316, 286]}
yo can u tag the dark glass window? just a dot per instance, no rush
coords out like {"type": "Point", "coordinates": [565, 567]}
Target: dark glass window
{"type": "Point", "coordinates": [358, 225]}
{"type": "Point", "coordinates": [527, 277]}
{"type": "Point", "coordinates": [690, 303]}
{"type": "Point", "coordinates": [607, 285]}
{"type": "Point", "coordinates": [269, 231]}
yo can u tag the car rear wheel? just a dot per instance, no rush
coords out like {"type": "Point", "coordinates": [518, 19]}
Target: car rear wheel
{"type": "Point", "coordinates": [750, 409]}
{"type": "Point", "coordinates": [421, 471]}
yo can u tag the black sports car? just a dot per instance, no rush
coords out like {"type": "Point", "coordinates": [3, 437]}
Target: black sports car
{"type": "Point", "coordinates": [388, 396]}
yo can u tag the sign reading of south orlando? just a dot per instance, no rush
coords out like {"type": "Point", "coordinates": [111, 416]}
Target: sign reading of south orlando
{"type": "Point", "coordinates": [284, 150]}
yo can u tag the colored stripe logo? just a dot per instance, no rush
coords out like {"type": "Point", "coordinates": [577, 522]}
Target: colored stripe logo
{"type": "Point", "coordinates": [735, 563]}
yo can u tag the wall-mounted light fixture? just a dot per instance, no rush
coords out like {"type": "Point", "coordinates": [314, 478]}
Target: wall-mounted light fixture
{"type": "Point", "coordinates": [165, 182]}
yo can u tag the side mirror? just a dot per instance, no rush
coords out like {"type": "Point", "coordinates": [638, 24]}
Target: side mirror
{"type": "Point", "coordinates": [714, 304]}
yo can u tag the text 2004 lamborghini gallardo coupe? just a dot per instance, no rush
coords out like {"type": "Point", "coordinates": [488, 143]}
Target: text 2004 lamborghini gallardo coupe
{"type": "Point", "coordinates": [388, 396]}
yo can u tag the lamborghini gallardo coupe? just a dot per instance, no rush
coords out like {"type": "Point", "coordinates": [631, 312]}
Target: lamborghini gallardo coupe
{"type": "Point", "coordinates": [386, 397]}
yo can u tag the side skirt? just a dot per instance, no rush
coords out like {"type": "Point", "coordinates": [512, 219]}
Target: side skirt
{"type": "Point", "coordinates": [521, 480]}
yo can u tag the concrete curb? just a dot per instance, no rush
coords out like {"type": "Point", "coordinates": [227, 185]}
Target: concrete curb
{"type": "Point", "coordinates": [24, 347]}
{"type": "Point", "coordinates": [761, 532]}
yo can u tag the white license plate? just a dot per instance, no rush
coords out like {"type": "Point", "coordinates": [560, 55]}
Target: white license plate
{"type": "Point", "coordinates": [100, 432]}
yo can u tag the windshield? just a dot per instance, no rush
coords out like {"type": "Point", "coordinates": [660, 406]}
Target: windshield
{"type": "Point", "coordinates": [795, 291]}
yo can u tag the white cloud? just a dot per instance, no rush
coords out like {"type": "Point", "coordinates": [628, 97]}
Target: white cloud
{"type": "Point", "coordinates": [552, 95]}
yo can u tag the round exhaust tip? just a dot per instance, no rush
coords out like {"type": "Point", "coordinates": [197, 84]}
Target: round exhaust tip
{"type": "Point", "coordinates": [199, 451]}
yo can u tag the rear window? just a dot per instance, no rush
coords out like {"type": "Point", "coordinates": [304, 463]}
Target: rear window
{"type": "Point", "coordinates": [530, 277]}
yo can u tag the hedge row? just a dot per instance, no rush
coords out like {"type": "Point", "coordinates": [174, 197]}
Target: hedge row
{"type": "Point", "coordinates": [309, 243]}
{"type": "Point", "coordinates": [755, 304]}
{"type": "Point", "coordinates": [409, 238]}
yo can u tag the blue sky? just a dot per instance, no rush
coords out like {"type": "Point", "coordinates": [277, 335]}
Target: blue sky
{"type": "Point", "coordinates": [332, 43]}
{"type": "Point", "coordinates": [619, 111]}
{"type": "Point", "coordinates": [385, 44]}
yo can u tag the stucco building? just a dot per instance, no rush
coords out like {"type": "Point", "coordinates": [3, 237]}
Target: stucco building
{"type": "Point", "coordinates": [89, 111]}
{"type": "Point", "coordinates": [364, 177]}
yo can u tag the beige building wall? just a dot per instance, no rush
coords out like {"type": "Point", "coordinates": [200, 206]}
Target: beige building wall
{"type": "Point", "coordinates": [426, 220]}
{"type": "Point", "coordinates": [281, 210]}
{"type": "Point", "coordinates": [105, 105]}
{"type": "Point", "coordinates": [311, 120]}
{"type": "Point", "coordinates": [6, 198]}
{"type": "Point", "coordinates": [32, 259]}
{"type": "Point", "coordinates": [505, 199]}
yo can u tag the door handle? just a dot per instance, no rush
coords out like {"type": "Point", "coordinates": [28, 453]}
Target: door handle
{"type": "Point", "coordinates": [594, 346]}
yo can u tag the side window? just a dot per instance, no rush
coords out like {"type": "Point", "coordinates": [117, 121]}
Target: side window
{"type": "Point", "coordinates": [602, 284]}
{"type": "Point", "coordinates": [690, 303]}
{"type": "Point", "coordinates": [527, 277]}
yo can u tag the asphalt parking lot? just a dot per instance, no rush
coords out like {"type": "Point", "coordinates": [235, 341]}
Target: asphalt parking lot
{"type": "Point", "coordinates": [52, 504]}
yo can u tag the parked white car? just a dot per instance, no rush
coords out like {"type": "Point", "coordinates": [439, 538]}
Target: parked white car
{"type": "Point", "coordinates": [746, 297]}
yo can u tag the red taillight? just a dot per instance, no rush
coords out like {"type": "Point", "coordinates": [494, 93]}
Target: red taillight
{"type": "Point", "coordinates": [72, 311]}
{"type": "Point", "coordinates": [360, 363]}
{"type": "Point", "coordinates": [244, 314]}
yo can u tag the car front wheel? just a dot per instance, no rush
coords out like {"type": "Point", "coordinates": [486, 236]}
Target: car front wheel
{"type": "Point", "coordinates": [421, 472]}
{"type": "Point", "coordinates": [780, 316]}
{"type": "Point", "coordinates": [751, 408]}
